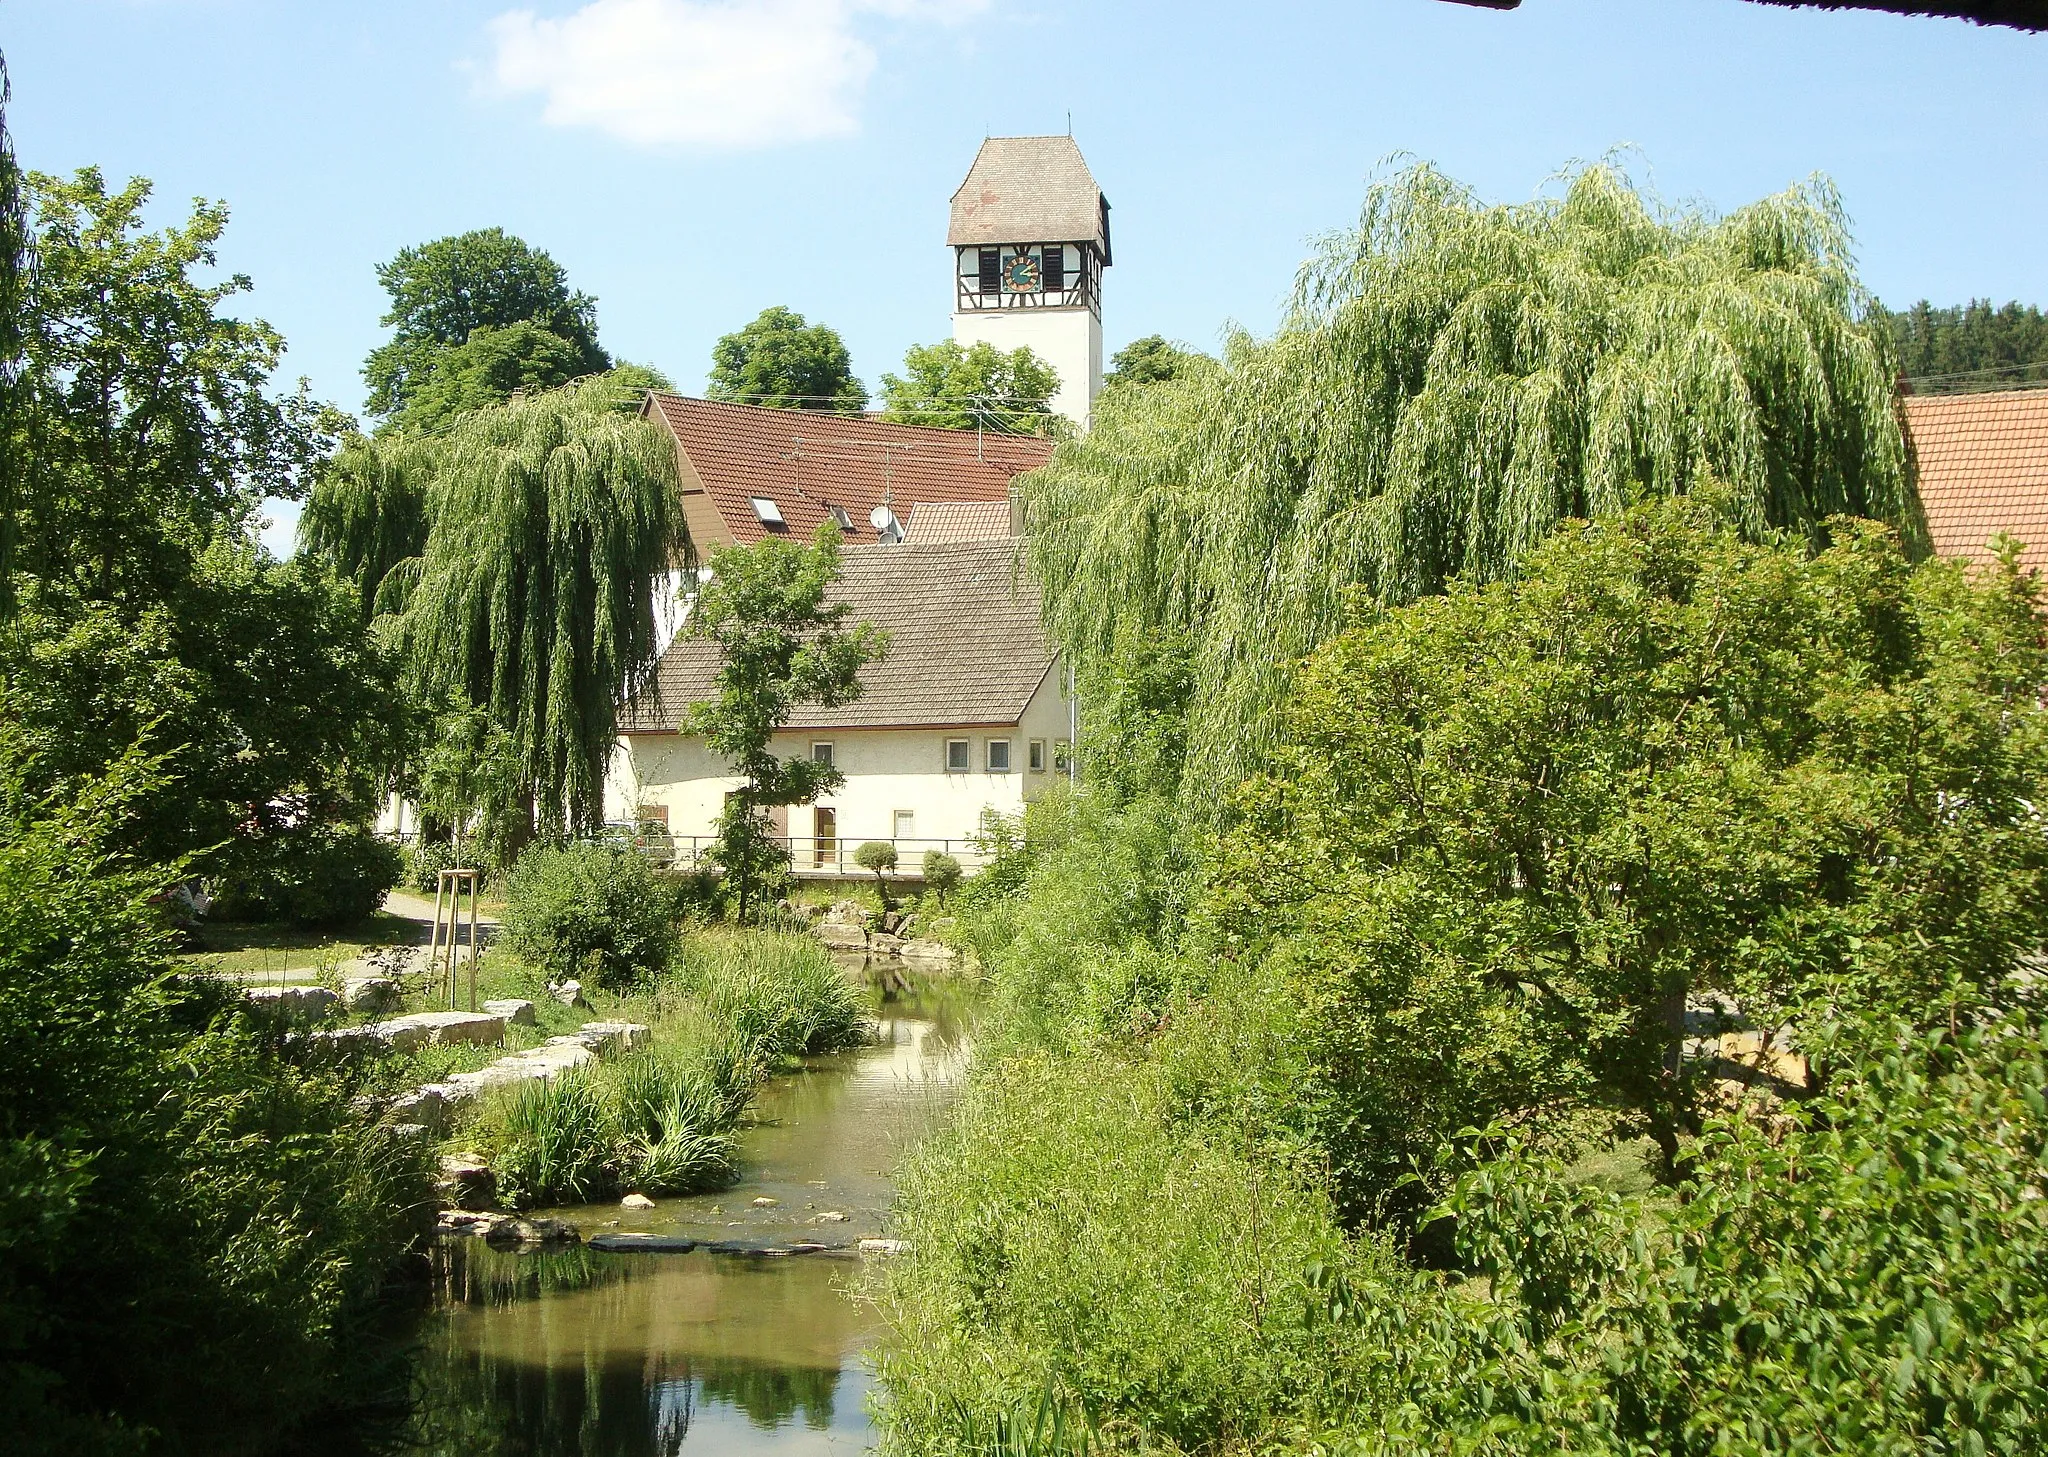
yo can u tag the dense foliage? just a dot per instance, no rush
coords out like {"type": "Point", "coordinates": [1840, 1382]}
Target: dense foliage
{"type": "Point", "coordinates": [781, 362]}
{"type": "Point", "coordinates": [1511, 830]}
{"type": "Point", "coordinates": [972, 387]}
{"type": "Point", "coordinates": [1507, 835]}
{"type": "Point", "coordinates": [595, 912]}
{"type": "Point", "coordinates": [781, 646]}
{"type": "Point", "coordinates": [1148, 361]}
{"type": "Point", "coordinates": [1452, 381]}
{"type": "Point", "coordinates": [195, 1233]}
{"type": "Point", "coordinates": [474, 317]}
{"type": "Point", "coordinates": [1972, 346]}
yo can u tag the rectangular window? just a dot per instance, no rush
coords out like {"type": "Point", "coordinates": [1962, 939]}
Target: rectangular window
{"type": "Point", "coordinates": [1055, 268]}
{"type": "Point", "coordinates": [821, 754]}
{"type": "Point", "coordinates": [906, 825]}
{"type": "Point", "coordinates": [1037, 756]}
{"type": "Point", "coordinates": [959, 756]}
{"type": "Point", "coordinates": [991, 270]}
{"type": "Point", "coordinates": [840, 518]}
{"type": "Point", "coordinates": [998, 756]}
{"type": "Point", "coordinates": [768, 513]}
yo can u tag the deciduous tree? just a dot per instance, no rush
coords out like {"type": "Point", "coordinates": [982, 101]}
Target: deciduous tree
{"type": "Point", "coordinates": [970, 387]}
{"type": "Point", "coordinates": [781, 362]}
{"type": "Point", "coordinates": [781, 645]}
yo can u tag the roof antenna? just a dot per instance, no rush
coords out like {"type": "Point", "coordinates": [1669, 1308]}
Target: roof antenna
{"type": "Point", "coordinates": [1070, 124]}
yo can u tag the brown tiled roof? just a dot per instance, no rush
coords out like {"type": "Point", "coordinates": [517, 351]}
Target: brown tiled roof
{"type": "Point", "coordinates": [1029, 190]}
{"type": "Point", "coordinates": [958, 521]}
{"type": "Point", "coordinates": [1983, 468]}
{"type": "Point", "coordinates": [965, 643]}
{"type": "Point", "coordinates": [807, 462]}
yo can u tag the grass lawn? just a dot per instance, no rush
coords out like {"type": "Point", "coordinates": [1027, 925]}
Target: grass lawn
{"type": "Point", "coordinates": [256, 951]}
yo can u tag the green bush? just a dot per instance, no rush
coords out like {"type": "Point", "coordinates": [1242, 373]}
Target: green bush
{"type": "Point", "coordinates": [195, 1234]}
{"type": "Point", "coordinates": [425, 861]}
{"type": "Point", "coordinates": [941, 874]}
{"type": "Point", "coordinates": [330, 875]}
{"type": "Point", "coordinates": [596, 912]}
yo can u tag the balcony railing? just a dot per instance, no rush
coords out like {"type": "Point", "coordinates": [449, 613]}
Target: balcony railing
{"type": "Point", "coordinates": [809, 855]}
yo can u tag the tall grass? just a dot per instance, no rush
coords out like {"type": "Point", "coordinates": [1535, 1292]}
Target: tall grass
{"type": "Point", "coordinates": [660, 1120]}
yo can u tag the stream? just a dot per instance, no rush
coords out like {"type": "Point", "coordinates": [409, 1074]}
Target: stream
{"type": "Point", "coordinates": [578, 1353]}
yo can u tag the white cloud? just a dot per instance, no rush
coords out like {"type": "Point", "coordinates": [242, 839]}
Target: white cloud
{"type": "Point", "coordinates": [708, 74]}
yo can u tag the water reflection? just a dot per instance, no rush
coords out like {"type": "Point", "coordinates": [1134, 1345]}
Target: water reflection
{"type": "Point", "coordinates": [581, 1354]}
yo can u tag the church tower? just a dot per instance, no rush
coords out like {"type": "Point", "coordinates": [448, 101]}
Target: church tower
{"type": "Point", "coordinates": [1030, 238]}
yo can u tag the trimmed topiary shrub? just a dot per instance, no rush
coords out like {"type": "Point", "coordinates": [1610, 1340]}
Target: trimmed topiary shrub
{"type": "Point", "coordinates": [595, 912]}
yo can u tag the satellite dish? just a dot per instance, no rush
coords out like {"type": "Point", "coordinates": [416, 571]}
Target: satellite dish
{"type": "Point", "coordinates": [887, 527]}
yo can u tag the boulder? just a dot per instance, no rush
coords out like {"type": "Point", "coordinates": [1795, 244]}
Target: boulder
{"type": "Point", "coordinates": [427, 1106]}
{"type": "Point", "coordinates": [842, 935]}
{"type": "Point", "coordinates": [605, 1038]}
{"type": "Point", "coordinates": [631, 1242]}
{"type": "Point", "coordinates": [370, 993]}
{"type": "Point", "coordinates": [832, 1216]}
{"type": "Point", "coordinates": [292, 1005]}
{"type": "Point", "coordinates": [636, 1201]}
{"type": "Point", "coordinates": [883, 944]}
{"type": "Point", "coordinates": [885, 1246]}
{"type": "Point", "coordinates": [568, 993]}
{"type": "Point", "coordinates": [928, 955]}
{"type": "Point", "coordinates": [534, 1232]}
{"type": "Point", "coordinates": [891, 923]}
{"type": "Point", "coordinates": [517, 1013]}
{"type": "Point", "coordinates": [764, 1202]}
{"type": "Point", "coordinates": [431, 1029]}
{"type": "Point", "coordinates": [466, 1182]}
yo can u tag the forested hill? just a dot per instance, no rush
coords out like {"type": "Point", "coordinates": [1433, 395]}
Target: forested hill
{"type": "Point", "coordinates": [1972, 346]}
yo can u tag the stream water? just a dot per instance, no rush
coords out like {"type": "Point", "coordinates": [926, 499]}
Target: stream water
{"type": "Point", "coordinates": [577, 1353]}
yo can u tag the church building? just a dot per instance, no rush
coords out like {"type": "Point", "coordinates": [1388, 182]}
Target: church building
{"type": "Point", "coordinates": [969, 712]}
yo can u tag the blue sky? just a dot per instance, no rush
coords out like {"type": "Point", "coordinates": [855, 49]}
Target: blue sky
{"type": "Point", "coordinates": [693, 161]}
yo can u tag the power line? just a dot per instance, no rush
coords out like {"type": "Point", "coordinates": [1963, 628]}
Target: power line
{"type": "Point", "coordinates": [1973, 373]}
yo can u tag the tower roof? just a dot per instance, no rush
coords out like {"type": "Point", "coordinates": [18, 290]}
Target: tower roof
{"type": "Point", "coordinates": [1030, 190]}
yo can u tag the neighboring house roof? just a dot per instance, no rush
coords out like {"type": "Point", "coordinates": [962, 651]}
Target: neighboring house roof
{"type": "Point", "coordinates": [936, 521]}
{"type": "Point", "coordinates": [1030, 190]}
{"type": "Point", "coordinates": [1982, 463]}
{"type": "Point", "coordinates": [807, 462]}
{"type": "Point", "coordinates": [965, 648]}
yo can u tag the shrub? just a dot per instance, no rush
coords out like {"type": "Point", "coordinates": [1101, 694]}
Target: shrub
{"type": "Point", "coordinates": [329, 875]}
{"type": "Point", "coordinates": [941, 873]}
{"type": "Point", "coordinates": [424, 863]}
{"type": "Point", "coordinates": [171, 1188]}
{"type": "Point", "coordinates": [595, 912]}
{"type": "Point", "coordinates": [880, 857]}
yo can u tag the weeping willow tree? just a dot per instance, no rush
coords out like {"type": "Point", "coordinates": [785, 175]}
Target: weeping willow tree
{"type": "Point", "coordinates": [1451, 381]}
{"type": "Point", "coordinates": [515, 556]}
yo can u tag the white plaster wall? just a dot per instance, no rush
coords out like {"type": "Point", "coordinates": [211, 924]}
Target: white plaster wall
{"type": "Point", "coordinates": [886, 770]}
{"type": "Point", "coordinates": [1070, 340]}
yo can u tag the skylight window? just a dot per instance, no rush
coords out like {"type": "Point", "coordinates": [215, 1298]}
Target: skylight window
{"type": "Point", "coordinates": [839, 514]}
{"type": "Point", "coordinates": [769, 513]}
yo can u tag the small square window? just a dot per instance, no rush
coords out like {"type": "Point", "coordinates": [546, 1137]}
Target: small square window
{"type": "Point", "coordinates": [1037, 756]}
{"type": "Point", "coordinates": [959, 756]}
{"type": "Point", "coordinates": [998, 756]}
{"type": "Point", "coordinates": [821, 754]}
{"type": "Point", "coordinates": [768, 513]}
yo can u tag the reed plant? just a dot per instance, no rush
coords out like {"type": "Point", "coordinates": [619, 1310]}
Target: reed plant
{"type": "Point", "coordinates": [661, 1119]}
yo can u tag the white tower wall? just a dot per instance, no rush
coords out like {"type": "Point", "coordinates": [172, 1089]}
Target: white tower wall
{"type": "Point", "coordinates": [1070, 340]}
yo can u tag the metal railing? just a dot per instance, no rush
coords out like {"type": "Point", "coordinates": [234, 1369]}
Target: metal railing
{"type": "Point", "coordinates": [814, 855]}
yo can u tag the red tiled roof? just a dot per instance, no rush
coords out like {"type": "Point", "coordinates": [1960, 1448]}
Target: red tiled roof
{"type": "Point", "coordinates": [958, 521]}
{"type": "Point", "coordinates": [807, 462]}
{"type": "Point", "coordinates": [1983, 468]}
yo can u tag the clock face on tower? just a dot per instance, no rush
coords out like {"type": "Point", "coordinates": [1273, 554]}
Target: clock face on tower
{"type": "Point", "coordinates": [1020, 273]}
